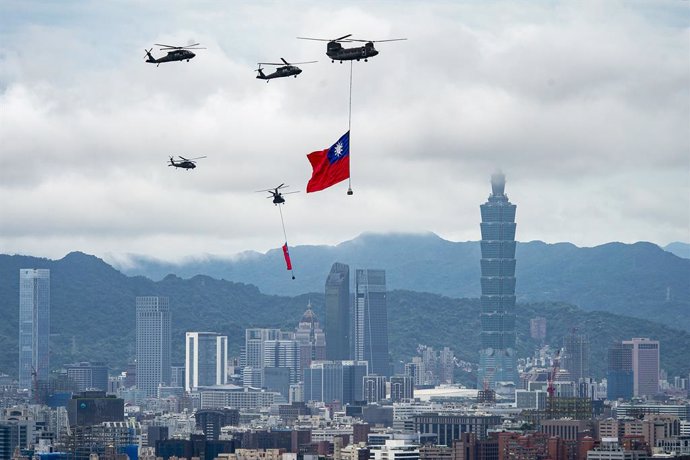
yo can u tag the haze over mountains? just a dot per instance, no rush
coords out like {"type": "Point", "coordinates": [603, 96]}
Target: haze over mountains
{"type": "Point", "coordinates": [638, 279]}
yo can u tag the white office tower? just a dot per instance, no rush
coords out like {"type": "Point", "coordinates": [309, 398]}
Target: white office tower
{"type": "Point", "coordinates": [206, 359]}
{"type": "Point", "coordinates": [153, 344]}
{"type": "Point", "coordinates": [34, 326]}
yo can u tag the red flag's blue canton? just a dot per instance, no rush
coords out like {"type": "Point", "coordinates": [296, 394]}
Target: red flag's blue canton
{"type": "Point", "coordinates": [340, 149]}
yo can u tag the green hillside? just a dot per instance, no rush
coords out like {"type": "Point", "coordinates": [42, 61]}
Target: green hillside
{"type": "Point", "coordinates": [93, 316]}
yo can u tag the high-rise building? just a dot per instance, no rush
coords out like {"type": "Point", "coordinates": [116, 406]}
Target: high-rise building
{"type": "Point", "coordinates": [153, 343]}
{"type": "Point", "coordinates": [402, 387]}
{"type": "Point", "coordinates": [374, 388]}
{"type": "Point", "coordinates": [311, 340]}
{"type": "Point", "coordinates": [254, 340]}
{"type": "Point", "coordinates": [575, 355]}
{"type": "Point", "coordinates": [497, 359]}
{"type": "Point", "coordinates": [34, 326]}
{"type": "Point", "coordinates": [337, 324]}
{"type": "Point", "coordinates": [371, 320]}
{"type": "Point", "coordinates": [619, 376]}
{"type": "Point", "coordinates": [645, 364]}
{"type": "Point", "coordinates": [329, 381]}
{"type": "Point", "coordinates": [537, 328]}
{"type": "Point", "coordinates": [177, 376]}
{"type": "Point", "coordinates": [283, 353]}
{"type": "Point", "coordinates": [88, 376]}
{"type": "Point", "coordinates": [206, 359]}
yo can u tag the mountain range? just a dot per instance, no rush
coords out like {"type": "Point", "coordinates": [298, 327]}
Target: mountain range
{"type": "Point", "coordinates": [640, 279]}
{"type": "Point", "coordinates": [93, 316]}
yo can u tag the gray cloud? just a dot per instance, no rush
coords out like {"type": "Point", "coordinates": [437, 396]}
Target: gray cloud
{"type": "Point", "coordinates": [584, 106]}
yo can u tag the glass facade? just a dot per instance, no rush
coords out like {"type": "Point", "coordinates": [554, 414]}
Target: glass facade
{"type": "Point", "coordinates": [497, 360]}
{"type": "Point", "coordinates": [337, 324]}
{"type": "Point", "coordinates": [371, 320]}
{"type": "Point", "coordinates": [34, 325]}
{"type": "Point", "coordinates": [153, 343]}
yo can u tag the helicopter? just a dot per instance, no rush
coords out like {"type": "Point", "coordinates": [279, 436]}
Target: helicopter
{"type": "Point", "coordinates": [284, 70]}
{"type": "Point", "coordinates": [336, 52]}
{"type": "Point", "coordinates": [175, 53]}
{"type": "Point", "coordinates": [276, 195]}
{"type": "Point", "coordinates": [184, 163]}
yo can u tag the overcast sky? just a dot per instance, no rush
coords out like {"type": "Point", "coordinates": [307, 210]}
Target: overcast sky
{"type": "Point", "coordinates": [585, 106]}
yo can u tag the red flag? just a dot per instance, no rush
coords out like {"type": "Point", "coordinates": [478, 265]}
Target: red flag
{"type": "Point", "coordinates": [331, 165]}
{"type": "Point", "coordinates": [287, 257]}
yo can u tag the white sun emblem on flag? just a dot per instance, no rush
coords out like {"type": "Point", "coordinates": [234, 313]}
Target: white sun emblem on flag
{"type": "Point", "coordinates": [338, 150]}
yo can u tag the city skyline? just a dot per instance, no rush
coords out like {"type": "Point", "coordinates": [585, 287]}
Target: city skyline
{"type": "Point", "coordinates": [565, 130]}
{"type": "Point", "coordinates": [171, 328]}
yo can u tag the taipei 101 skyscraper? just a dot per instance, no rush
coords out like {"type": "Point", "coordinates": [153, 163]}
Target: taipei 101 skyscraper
{"type": "Point", "coordinates": [497, 360]}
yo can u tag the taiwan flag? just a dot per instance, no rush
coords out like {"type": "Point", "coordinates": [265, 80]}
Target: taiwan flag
{"type": "Point", "coordinates": [331, 165]}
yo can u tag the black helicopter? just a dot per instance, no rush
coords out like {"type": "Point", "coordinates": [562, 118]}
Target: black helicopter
{"type": "Point", "coordinates": [184, 163]}
{"type": "Point", "coordinates": [276, 195]}
{"type": "Point", "coordinates": [285, 70]}
{"type": "Point", "coordinates": [336, 52]}
{"type": "Point", "coordinates": [175, 53]}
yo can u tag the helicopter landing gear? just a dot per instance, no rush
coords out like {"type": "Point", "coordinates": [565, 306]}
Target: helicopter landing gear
{"type": "Point", "coordinates": [366, 60]}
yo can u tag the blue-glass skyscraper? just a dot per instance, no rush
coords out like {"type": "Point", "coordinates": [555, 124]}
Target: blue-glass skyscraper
{"type": "Point", "coordinates": [34, 326]}
{"type": "Point", "coordinates": [497, 360]}
{"type": "Point", "coordinates": [370, 320]}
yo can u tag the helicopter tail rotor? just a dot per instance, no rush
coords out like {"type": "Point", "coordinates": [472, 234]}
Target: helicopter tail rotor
{"type": "Point", "coordinates": [148, 54]}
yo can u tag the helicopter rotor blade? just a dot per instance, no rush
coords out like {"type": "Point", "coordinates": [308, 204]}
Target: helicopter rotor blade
{"type": "Point", "coordinates": [196, 158]}
{"type": "Point", "coordinates": [287, 193]}
{"type": "Point", "coordinates": [269, 63]}
{"type": "Point", "coordinates": [376, 41]}
{"type": "Point", "coordinates": [315, 39]}
{"type": "Point", "coordinates": [344, 36]}
{"type": "Point", "coordinates": [286, 62]}
{"type": "Point", "coordinates": [305, 62]}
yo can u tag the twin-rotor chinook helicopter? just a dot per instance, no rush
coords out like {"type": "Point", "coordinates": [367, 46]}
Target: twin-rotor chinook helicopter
{"type": "Point", "coordinates": [336, 52]}
{"type": "Point", "coordinates": [285, 69]}
{"type": "Point", "coordinates": [276, 195]}
{"type": "Point", "coordinates": [175, 53]}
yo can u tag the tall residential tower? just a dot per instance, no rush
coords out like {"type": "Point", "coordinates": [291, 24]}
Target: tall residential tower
{"type": "Point", "coordinates": [153, 343]}
{"type": "Point", "coordinates": [34, 325]}
{"type": "Point", "coordinates": [497, 360]}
